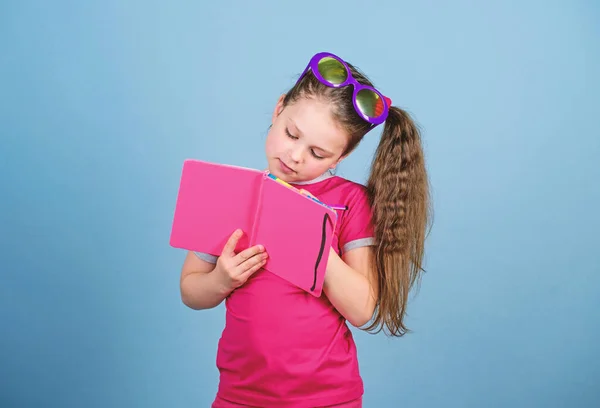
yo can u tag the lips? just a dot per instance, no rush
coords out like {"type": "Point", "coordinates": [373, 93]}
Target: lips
{"type": "Point", "coordinates": [285, 168]}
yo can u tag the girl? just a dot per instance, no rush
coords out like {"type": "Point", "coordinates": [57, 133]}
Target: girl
{"type": "Point", "coordinates": [282, 347]}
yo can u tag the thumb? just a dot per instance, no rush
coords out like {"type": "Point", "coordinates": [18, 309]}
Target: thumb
{"type": "Point", "coordinates": [229, 248]}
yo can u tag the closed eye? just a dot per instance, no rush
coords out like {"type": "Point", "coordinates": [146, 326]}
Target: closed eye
{"type": "Point", "coordinates": [316, 156]}
{"type": "Point", "coordinates": [312, 151]}
{"type": "Point", "coordinates": [287, 132]}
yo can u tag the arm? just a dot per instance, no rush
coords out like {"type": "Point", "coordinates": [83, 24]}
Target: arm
{"type": "Point", "coordinates": [205, 285]}
{"type": "Point", "coordinates": [351, 284]}
{"type": "Point", "coordinates": [199, 285]}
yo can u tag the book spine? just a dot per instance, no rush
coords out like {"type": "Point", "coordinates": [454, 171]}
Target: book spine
{"type": "Point", "coordinates": [256, 217]}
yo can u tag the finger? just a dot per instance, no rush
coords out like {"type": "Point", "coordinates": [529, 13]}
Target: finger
{"type": "Point", "coordinates": [229, 248]}
{"type": "Point", "coordinates": [249, 263]}
{"type": "Point", "coordinates": [248, 253]}
{"type": "Point", "coordinates": [250, 271]}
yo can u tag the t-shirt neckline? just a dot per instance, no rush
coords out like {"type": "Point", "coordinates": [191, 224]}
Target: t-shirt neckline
{"type": "Point", "coordinates": [324, 176]}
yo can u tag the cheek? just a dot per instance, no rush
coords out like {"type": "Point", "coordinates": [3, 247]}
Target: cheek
{"type": "Point", "coordinates": [274, 143]}
{"type": "Point", "coordinates": [269, 144]}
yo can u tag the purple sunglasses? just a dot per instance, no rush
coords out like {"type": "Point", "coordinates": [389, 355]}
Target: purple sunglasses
{"type": "Point", "coordinates": [332, 71]}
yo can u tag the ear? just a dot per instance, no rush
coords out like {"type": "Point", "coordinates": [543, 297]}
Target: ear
{"type": "Point", "coordinates": [278, 108]}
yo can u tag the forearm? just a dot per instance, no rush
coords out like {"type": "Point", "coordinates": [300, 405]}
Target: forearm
{"type": "Point", "coordinates": [203, 290]}
{"type": "Point", "coordinates": [349, 291]}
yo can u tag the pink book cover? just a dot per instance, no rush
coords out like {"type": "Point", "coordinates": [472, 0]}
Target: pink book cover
{"type": "Point", "coordinates": [296, 230]}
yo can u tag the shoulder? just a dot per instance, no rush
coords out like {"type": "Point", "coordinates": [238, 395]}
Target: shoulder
{"type": "Point", "coordinates": [346, 190]}
{"type": "Point", "coordinates": [353, 195]}
{"type": "Point", "coordinates": [355, 223]}
{"type": "Point", "coordinates": [356, 199]}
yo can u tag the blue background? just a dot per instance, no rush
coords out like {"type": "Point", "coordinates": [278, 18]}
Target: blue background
{"type": "Point", "coordinates": [100, 103]}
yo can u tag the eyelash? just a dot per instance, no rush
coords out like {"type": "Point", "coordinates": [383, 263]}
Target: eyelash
{"type": "Point", "coordinates": [312, 152]}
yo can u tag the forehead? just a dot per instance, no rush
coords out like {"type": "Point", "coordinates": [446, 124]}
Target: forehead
{"type": "Point", "coordinates": [313, 118]}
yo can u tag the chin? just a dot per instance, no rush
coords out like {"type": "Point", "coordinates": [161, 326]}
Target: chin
{"type": "Point", "coordinates": [276, 168]}
{"type": "Point", "coordinates": [289, 178]}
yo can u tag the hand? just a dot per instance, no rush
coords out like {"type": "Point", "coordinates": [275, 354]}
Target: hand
{"type": "Point", "coordinates": [235, 269]}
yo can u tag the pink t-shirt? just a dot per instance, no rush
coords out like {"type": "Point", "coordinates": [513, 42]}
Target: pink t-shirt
{"type": "Point", "coordinates": [282, 347]}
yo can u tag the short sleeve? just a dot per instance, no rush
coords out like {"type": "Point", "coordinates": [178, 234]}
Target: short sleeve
{"type": "Point", "coordinates": [356, 228]}
{"type": "Point", "coordinates": [206, 257]}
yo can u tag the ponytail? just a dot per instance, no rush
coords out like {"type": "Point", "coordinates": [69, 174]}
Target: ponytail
{"type": "Point", "coordinates": [398, 191]}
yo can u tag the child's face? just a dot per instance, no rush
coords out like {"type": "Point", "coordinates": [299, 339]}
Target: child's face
{"type": "Point", "coordinates": [304, 141]}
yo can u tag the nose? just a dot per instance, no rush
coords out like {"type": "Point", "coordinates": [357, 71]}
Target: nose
{"type": "Point", "coordinates": [296, 154]}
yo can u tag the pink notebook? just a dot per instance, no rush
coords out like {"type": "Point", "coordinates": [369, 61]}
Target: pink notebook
{"type": "Point", "coordinates": [296, 230]}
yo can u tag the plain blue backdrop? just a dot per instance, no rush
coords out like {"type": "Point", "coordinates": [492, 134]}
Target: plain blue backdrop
{"type": "Point", "coordinates": [100, 103]}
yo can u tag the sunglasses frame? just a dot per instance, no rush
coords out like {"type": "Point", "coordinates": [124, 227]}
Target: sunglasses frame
{"type": "Point", "coordinates": [313, 66]}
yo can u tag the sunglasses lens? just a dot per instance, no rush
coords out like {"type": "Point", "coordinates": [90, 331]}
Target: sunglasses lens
{"type": "Point", "coordinates": [332, 70]}
{"type": "Point", "coordinates": [369, 103]}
